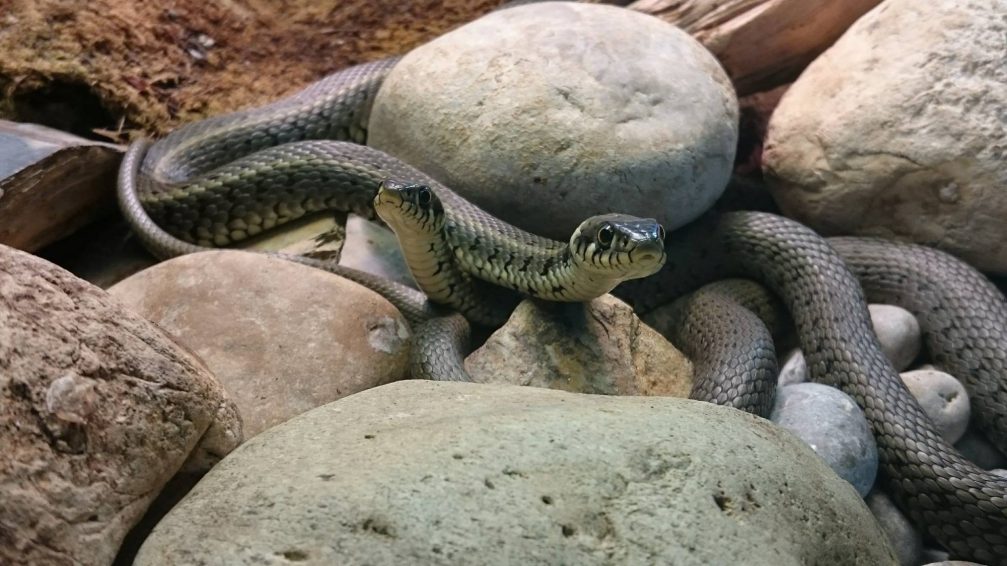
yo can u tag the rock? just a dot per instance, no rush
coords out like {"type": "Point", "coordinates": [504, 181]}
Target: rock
{"type": "Point", "coordinates": [943, 398]}
{"type": "Point", "coordinates": [619, 113]}
{"type": "Point", "coordinates": [98, 409]}
{"type": "Point", "coordinates": [597, 347]}
{"type": "Point", "coordinates": [976, 447]}
{"type": "Point", "coordinates": [793, 370]}
{"type": "Point", "coordinates": [897, 330]}
{"type": "Point", "coordinates": [374, 249]}
{"type": "Point", "coordinates": [954, 563]}
{"type": "Point", "coordinates": [907, 541]}
{"type": "Point", "coordinates": [51, 183]}
{"type": "Point", "coordinates": [1000, 472]}
{"type": "Point", "coordinates": [931, 555]}
{"type": "Point", "coordinates": [761, 43]}
{"type": "Point", "coordinates": [834, 426]}
{"type": "Point", "coordinates": [899, 333]}
{"type": "Point", "coordinates": [420, 472]}
{"type": "Point", "coordinates": [281, 337]}
{"type": "Point", "coordinates": [924, 160]}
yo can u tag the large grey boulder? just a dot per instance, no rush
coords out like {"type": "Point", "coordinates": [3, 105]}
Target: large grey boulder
{"type": "Point", "coordinates": [899, 130]}
{"type": "Point", "coordinates": [548, 113]}
{"type": "Point", "coordinates": [420, 472]}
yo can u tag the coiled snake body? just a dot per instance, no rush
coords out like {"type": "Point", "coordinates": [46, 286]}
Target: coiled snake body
{"type": "Point", "coordinates": [231, 177]}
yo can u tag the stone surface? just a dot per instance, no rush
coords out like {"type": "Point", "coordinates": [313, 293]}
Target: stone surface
{"type": "Point", "coordinates": [924, 160]}
{"type": "Point", "coordinates": [598, 347]}
{"type": "Point", "coordinates": [907, 541]}
{"type": "Point", "coordinates": [620, 112]}
{"type": "Point", "coordinates": [943, 398]}
{"type": "Point", "coordinates": [761, 43]}
{"type": "Point", "coordinates": [98, 409]}
{"type": "Point", "coordinates": [899, 333]}
{"type": "Point", "coordinates": [281, 337]}
{"type": "Point", "coordinates": [794, 369]}
{"type": "Point", "coordinates": [834, 426]}
{"type": "Point", "coordinates": [374, 249]}
{"type": "Point", "coordinates": [420, 472]}
{"type": "Point", "coordinates": [51, 183]}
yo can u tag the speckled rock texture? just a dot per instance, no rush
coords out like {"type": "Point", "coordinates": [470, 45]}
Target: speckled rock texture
{"type": "Point", "coordinates": [547, 113]}
{"type": "Point", "coordinates": [282, 338]}
{"type": "Point", "coordinates": [899, 130]}
{"type": "Point", "coordinates": [420, 472]}
{"type": "Point", "coordinates": [597, 347]}
{"type": "Point", "coordinates": [98, 409]}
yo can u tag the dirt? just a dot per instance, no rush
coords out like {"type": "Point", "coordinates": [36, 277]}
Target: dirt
{"type": "Point", "coordinates": [109, 69]}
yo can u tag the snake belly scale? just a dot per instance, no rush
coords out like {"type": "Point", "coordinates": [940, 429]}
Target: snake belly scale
{"type": "Point", "coordinates": [230, 177]}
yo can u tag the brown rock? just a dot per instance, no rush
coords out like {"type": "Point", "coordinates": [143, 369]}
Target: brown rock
{"type": "Point", "coordinates": [899, 131]}
{"type": "Point", "coordinates": [597, 347]}
{"type": "Point", "coordinates": [761, 43]}
{"type": "Point", "coordinates": [281, 337]}
{"type": "Point", "coordinates": [98, 409]}
{"type": "Point", "coordinates": [51, 183]}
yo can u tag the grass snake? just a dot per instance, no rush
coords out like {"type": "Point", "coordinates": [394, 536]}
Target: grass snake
{"type": "Point", "coordinates": [230, 177]}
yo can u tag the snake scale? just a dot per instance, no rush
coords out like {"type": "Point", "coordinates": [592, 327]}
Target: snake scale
{"type": "Point", "coordinates": [232, 176]}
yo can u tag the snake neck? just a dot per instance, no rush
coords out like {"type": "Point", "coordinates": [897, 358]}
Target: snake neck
{"type": "Point", "coordinates": [549, 273]}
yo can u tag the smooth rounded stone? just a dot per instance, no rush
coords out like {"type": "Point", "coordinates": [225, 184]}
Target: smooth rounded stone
{"type": "Point", "coordinates": [976, 447]}
{"type": "Point", "coordinates": [954, 563]}
{"type": "Point", "coordinates": [422, 472]}
{"type": "Point", "coordinates": [596, 347]}
{"type": "Point", "coordinates": [924, 160]}
{"type": "Point", "coordinates": [99, 408]}
{"type": "Point", "coordinates": [793, 370]}
{"type": "Point", "coordinates": [899, 333]}
{"type": "Point", "coordinates": [834, 426]}
{"type": "Point", "coordinates": [906, 540]}
{"type": "Point", "coordinates": [281, 337]}
{"type": "Point", "coordinates": [943, 398]}
{"type": "Point", "coordinates": [1000, 472]}
{"type": "Point", "coordinates": [374, 249]}
{"type": "Point", "coordinates": [619, 112]}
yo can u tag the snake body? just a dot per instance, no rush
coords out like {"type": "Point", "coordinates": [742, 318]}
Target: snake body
{"type": "Point", "coordinates": [194, 184]}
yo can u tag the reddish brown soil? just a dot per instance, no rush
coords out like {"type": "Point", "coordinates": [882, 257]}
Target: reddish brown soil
{"type": "Point", "coordinates": [115, 67]}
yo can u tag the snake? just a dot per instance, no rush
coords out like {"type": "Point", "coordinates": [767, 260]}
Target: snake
{"type": "Point", "coordinates": [230, 177]}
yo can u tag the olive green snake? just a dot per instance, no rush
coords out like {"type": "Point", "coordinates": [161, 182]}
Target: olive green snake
{"type": "Point", "coordinates": [230, 177]}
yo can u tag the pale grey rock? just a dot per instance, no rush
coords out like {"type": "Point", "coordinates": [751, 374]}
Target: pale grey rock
{"type": "Point", "coordinates": [793, 370]}
{"type": "Point", "coordinates": [943, 398]}
{"type": "Point", "coordinates": [834, 426]}
{"type": "Point", "coordinates": [549, 113]}
{"type": "Point", "coordinates": [282, 337]}
{"type": "Point", "coordinates": [899, 333]}
{"type": "Point", "coordinates": [99, 408]}
{"type": "Point", "coordinates": [905, 539]}
{"type": "Point", "coordinates": [374, 249]}
{"type": "Point", "coordinates": [421, 472]}
{"type": "Point", "coordinates": [899, 130]}
{"type": "Point", "coordinates": [596, 347]}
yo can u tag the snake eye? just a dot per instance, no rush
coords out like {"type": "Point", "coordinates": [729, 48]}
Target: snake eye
{"type": "Point", "coordinates": [660, 232]}
{"type": "Point", "coordinates": [605, 236]}
{"type": "Point", "coordinates": [423, 196]}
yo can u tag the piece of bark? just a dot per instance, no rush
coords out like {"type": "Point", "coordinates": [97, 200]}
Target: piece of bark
{"type": "Point", "coordinates": [761, 43]}
{"type": "Point", "coordinates": [51, 183]}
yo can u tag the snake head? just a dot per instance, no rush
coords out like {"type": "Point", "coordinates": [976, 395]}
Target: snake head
{"type": "Point", "coordinates": [409, 206]}
{"type": "Point", "coordinates": [619, 246]}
